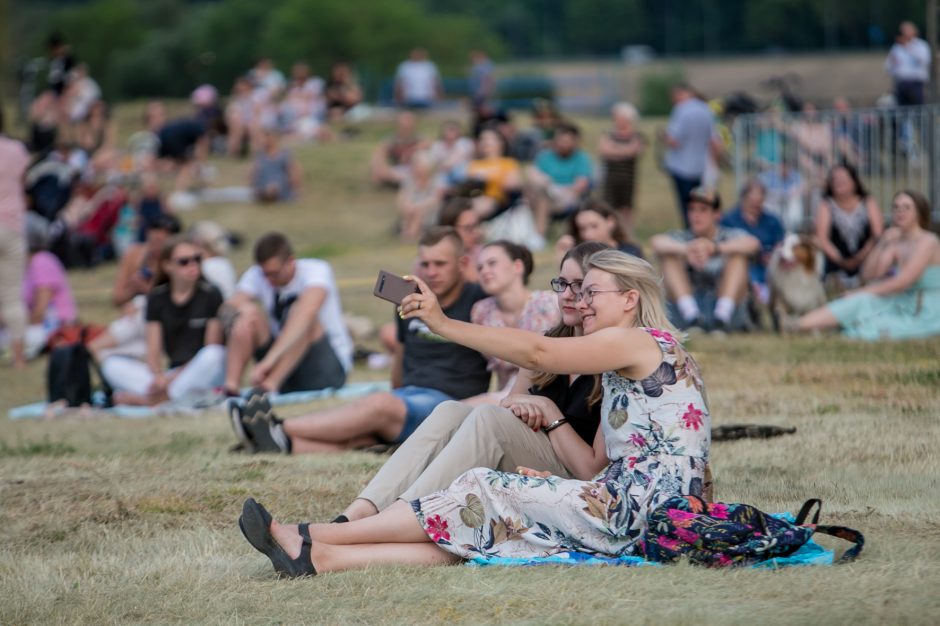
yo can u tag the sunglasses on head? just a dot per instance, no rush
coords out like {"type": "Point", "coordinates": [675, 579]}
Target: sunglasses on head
{"type": "Point", "coordinates": [184, 261]}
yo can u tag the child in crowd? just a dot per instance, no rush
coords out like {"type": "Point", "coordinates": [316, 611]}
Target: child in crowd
{"type": "Point", "coordinates": [46, 293]}
{"type": "Point", "coordinates": [276, 175]}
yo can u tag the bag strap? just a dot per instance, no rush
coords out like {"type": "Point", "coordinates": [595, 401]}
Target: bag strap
{"type": "Point", "coordinates": [105, 386]}
{"type": "Point", "coordinates": [848, 534]}
{"type": "Point", "coordinates": [805, 510]}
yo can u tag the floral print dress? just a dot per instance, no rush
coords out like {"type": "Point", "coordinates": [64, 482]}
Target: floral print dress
{"type": "Point", "coordinates": [657, 434]}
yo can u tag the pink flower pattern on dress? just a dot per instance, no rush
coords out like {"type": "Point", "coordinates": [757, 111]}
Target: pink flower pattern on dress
{"type": "Point", "coordinates": [692, 418]}
{"type": "Point", "coordinates": [637, 439]}
{"type": "Point", "coordinates": [662, 334]}
{"type": "Point", "coordinates": [436, 528]}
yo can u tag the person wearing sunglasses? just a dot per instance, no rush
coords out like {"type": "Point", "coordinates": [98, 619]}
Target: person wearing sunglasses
{"type": "Point", "coordinates": [653, 444]}
{"type": "Point", "coordinates": [182, 326]}
{"type": "Point", "coordinates": [457, 437]}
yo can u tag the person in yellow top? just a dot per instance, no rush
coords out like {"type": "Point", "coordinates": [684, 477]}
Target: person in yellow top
{"type": "Point", "coordinates": [501, 175]}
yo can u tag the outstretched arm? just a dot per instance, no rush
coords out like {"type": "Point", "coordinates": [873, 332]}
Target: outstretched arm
{"type": "Point", "coordinates": [613, 348]}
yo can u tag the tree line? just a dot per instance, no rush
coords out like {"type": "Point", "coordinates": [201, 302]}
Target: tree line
{"type": "Point", "coordinates": [140, 48]}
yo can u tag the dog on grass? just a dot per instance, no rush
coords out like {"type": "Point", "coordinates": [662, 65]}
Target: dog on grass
{"type": "Point", "coordinates": [794, 280]}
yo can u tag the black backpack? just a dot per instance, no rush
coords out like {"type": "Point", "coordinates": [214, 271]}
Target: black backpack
{"type": "Point", "coordinates": [68, 376]}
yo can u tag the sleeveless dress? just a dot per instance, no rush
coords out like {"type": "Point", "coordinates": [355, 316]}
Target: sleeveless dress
{"type": "Point", "coordinates": [657, 432]}
{"type": "Point", "coordinates": [913, 314]}
{"type": "Point", "coordinates": [848, 233]}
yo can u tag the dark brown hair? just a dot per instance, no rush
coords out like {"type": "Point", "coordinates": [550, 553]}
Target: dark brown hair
{"type": "Point", "coordinates": [452, 211]}
{"type": "Point", "coordinates": [436, 234]}
{"type": "Point", "coordinates": [516, 252]}
{"type": "Point", "coordinates": [619, 233]}
{"type": "Point", "coordinates": [272, 245]}
{"type": "Point", "coordinates": [860, 189]}
{"type": "Point", "coordinates": [579, 254]}
{"type": "Point", "coordinates": [921, 204]}
{"type": "Point", "coordinates": [166, 253]}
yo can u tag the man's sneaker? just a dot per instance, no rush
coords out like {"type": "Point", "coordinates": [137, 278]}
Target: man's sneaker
{"type": "Point", "coordinates": [263, 427]}
{"type": "Point", "coordinates": [235, 409]}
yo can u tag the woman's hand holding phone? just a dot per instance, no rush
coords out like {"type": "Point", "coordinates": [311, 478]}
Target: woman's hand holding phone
{"type": "Point", "coordinates": [422, 305]}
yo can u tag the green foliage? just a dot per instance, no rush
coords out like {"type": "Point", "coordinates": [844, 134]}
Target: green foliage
{"type": "Point", "coordinates": [138, 48]}
{"type": "Point", "coordinates": [102, 30]}
{"type": "Point", "coordinates": [655, 90]}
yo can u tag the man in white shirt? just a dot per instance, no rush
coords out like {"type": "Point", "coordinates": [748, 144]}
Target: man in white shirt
{"type": "Point", "coordinates": [908, 63]}
{"type": "Point", "coordinates": [417, 81]}
{"type": "Point", "coordinates": [286, 313]}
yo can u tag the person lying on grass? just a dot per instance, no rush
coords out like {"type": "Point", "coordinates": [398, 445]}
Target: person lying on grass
{"type": "Point", "coordinates": [653, 444]}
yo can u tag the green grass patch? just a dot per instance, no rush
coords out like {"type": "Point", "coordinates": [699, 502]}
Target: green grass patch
{"type": "Point", "coordinates": [44, 447]}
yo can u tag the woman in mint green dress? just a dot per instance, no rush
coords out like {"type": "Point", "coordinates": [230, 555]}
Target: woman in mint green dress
{"type": "Point", "coordinates": [901, 299]}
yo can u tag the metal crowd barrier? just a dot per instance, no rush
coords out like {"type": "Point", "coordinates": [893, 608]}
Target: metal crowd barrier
{"type": "Point", "coordinates": [892, 149]}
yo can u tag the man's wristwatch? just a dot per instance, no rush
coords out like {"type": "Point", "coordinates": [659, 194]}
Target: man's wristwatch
{"type": "Point", "coordinates": [555, 425]}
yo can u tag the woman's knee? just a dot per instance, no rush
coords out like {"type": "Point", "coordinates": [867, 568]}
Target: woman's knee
{"type": "Point", "coordinates": [494, 419]}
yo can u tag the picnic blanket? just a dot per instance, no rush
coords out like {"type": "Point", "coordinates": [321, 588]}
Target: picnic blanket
{"type": "Point", "coordinates": [189, 406]}
{"type": "Point", "coordinates": [811, 553]}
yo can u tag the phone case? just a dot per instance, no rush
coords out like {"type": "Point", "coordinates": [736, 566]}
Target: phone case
{"type": "Point", "coordinates": [393, 288]}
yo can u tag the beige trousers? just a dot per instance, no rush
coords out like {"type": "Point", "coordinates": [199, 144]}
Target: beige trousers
{"type": "Point", "coordinates": [456, 438]}
{"type": "Point", "coordinates": [12, 267]}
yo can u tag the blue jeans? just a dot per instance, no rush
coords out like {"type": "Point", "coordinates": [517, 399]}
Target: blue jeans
{"type": "Point", "coordinates": [419, 402]}
{"type": "Point", "coordinates": [684, 187]}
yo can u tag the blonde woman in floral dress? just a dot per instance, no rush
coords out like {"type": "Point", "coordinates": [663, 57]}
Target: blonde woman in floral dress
{"type": "Point", "coordinates": [653, 444]}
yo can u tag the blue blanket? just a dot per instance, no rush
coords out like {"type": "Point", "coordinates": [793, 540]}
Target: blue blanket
{"type": "Point", "coordinates": [38, 410]}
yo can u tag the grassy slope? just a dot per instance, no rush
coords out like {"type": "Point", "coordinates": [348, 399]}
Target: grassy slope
{"type": "Point", "coordinates": [111, 521]}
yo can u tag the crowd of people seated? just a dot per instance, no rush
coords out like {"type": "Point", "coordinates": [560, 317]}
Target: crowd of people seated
{"type": "Point", "coordinates": [92, 200]}
{"type": "Point", "coordinates": [569, 389]}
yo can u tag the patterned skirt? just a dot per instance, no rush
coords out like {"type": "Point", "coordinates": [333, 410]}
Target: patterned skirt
{"type": "Point", "coordinates": [487, 513]}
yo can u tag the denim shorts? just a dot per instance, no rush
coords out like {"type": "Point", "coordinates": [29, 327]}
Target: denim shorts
{"type": "Point", "coordinates": [419, 402]}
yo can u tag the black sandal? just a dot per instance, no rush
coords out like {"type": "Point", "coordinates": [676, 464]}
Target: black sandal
{"type": "Point", "coordinates": [255, 524]}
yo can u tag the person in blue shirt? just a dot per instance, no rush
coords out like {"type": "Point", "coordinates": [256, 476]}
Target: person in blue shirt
{"type": "Point", "coordinates": [559, 178]}
{"type": "Point", "coordinates": [751, 217]}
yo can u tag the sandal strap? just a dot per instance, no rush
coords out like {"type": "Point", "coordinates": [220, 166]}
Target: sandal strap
{"type": "Point", "coordinates": [304, 559]}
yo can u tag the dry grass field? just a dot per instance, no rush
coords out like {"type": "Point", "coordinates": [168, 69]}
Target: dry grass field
{"type": "Point", "coordinates": [109, 521]}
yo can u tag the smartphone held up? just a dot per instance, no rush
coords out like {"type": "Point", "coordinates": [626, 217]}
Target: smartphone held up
{"type": "Point", "coordinates": [393, 288]}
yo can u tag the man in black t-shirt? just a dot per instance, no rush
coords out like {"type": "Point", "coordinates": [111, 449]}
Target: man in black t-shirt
{"type": "Point", "coordinates": [426, 371]}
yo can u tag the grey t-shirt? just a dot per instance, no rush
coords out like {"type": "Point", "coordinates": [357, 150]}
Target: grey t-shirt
{"type": "Point", "coordinates": [692, 125]}
{"type": "Point", "coordinates": [436, 363]}
{"type": "Point", "coordinates": [708, 277]}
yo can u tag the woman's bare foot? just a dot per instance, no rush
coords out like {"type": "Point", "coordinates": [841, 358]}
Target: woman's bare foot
{"type": "Point", "coordinates": [288, 537]}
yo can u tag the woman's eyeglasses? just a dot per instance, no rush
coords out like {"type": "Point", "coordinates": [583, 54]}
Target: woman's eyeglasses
{"type": "Point", "coordinates": [184, 261]}
{"type": "Point", "coordinates": [588, 296]}
{"type": "Point", "coordinates": [560, 284]}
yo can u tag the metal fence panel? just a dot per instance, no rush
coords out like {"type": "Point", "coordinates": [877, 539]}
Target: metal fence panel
{"type": "Point", "coordinates": [892, 149]}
